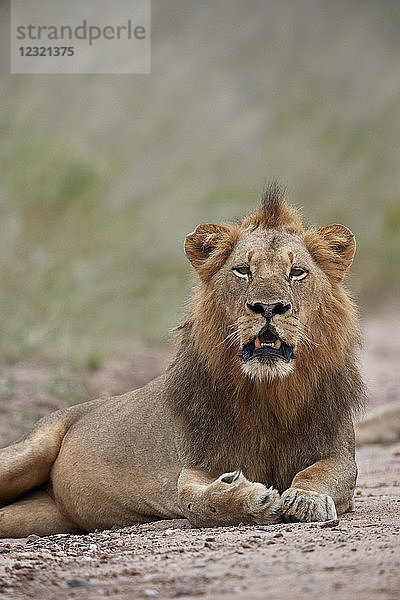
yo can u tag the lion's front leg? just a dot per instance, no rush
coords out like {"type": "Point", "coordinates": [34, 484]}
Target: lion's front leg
{"type": "Point", "coordinates": [228, 500]}
{"type": "Point", "coordinates": [322, 491]}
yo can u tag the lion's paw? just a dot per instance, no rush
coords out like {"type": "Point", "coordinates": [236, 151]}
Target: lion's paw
{"type": "Point", "coordinates": [244, 499]}
{"type": "Point", "coordinates": [306, 506]}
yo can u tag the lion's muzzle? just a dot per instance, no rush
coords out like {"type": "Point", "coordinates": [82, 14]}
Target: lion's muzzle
{"type": "Point", "coordinates": [267, 343]}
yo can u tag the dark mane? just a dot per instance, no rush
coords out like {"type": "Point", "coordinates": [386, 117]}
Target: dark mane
{"type": "Point", "coordinates": [271, 201]}
{"type": "Point", "coordinates": [231, 424]}
{"type": "Point", "coordinates": [274, 213]}
{"type": "Point", "coordinates": [274, 428]}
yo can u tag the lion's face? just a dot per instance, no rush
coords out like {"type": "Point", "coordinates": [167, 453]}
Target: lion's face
{"type": "Point", "coordinates": [269, 287]}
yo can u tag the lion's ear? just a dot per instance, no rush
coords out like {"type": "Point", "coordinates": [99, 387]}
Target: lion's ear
{"type": "Point", "coordinates": [208, 246]}
{"type": "Point", "coordinates": [333, 247]}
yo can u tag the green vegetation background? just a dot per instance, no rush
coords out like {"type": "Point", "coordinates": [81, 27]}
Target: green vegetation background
{"type": "Point", "coordinates": [102, 176]}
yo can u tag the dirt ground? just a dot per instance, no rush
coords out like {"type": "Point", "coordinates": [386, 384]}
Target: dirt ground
{"type": "Point", "coordinates": [357, 557]}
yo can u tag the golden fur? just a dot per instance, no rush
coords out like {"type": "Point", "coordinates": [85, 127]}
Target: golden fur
{"type": "Point", "coordinates": [325, 356]}
{"type": "Point", "coordinates": [218, 439]}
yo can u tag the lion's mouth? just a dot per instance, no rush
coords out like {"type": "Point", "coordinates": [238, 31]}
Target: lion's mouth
{"type": "Point", "coordinates": [267, 343]}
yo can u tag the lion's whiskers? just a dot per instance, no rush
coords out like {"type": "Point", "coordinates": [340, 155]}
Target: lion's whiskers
{"type": "Point", "coordinates": [307, 340]}
{"type": "Point", "coordinates": [231, 338]}
{"type": "Point", "coordinates": [300, 330]}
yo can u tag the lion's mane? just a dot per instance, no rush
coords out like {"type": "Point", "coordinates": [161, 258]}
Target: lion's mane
{"type": "Point", "coordinates": [230, 421]}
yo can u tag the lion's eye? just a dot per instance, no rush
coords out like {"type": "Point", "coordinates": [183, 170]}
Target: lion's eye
{"type": "Point", "coordinates": [242, 271]}
{"type": "Point", "coordinates": [297, 273]}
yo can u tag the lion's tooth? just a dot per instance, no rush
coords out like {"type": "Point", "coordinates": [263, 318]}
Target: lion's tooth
{"type": "Point", "coordinates": [257, 343]}
{"type": "Point", "coordinates": [278, 343]}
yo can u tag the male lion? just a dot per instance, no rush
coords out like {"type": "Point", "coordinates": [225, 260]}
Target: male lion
{"type": "Point", "coordinates": [261, 390]}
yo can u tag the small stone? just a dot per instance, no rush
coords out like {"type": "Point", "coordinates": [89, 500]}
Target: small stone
{"type": "Point", "coordinates": [78, 582]}
{"type": "Point", "coordinates": [246, 545]}
{"type": "Point", "coordinates": [132, 572]}
{"type": "Point", "coordinates": [278, 535]}
{"type": "Point", "coordinates": [150, 592]}
{"type": "Point", "coordinates": [331, 523]}
{"type": "Point", "coordinates": [337, 585]}
{"type": "Point", "coordinates": [210, 539]}
{"type": "Point", "coordinates": [169, 532]}
{"type": "Point", "coordinates": [3, 549]}
{"type": "Point", "coordinates": [32, 538]}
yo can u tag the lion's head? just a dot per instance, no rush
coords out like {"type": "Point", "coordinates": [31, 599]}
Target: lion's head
{"type": "Point", "coordinates": [270, 299]}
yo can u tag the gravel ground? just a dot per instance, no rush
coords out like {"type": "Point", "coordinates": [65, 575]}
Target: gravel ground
{"type": "Point", "coordinates": [357, 557]}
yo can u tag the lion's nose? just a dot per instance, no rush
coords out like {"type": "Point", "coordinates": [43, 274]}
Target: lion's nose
{"type": "Point", "coordinates": [269, 310]}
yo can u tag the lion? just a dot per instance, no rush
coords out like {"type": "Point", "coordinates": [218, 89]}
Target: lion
{"type": "Point", "coordinates": [252, 421]}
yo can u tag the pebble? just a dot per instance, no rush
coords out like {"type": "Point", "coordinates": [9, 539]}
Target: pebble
{"type": "Point", "coordinates": [169, 532]}
{"type": "Point", "coordinates": [331, 523]}
{"type": "Point", "coordinates": [77, 582]}
{"type": "Point", "coordinates": [278, 535]}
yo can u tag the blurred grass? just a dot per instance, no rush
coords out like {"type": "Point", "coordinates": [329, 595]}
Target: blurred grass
{"type": "Point", "coordinates": [102, 177]}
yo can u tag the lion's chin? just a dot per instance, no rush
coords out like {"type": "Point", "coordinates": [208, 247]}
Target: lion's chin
{"type": "Point", "coordinates": [267, 356]}
{"type": "Point", "coordinates": [262, 370]}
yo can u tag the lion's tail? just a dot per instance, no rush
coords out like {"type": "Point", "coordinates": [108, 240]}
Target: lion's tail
{"type": "Point", "coordinates": [381, 426]}
{"type": "Point", "coordinates": [27, 463]}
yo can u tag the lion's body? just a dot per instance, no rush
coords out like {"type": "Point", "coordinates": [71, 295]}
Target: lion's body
{"type": "Point", "coordinates": [157, 452]}
{"type": "Point", "coordinates": [131, 464]}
